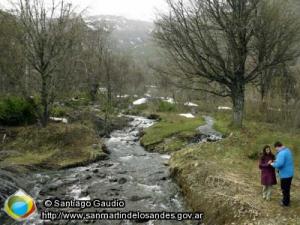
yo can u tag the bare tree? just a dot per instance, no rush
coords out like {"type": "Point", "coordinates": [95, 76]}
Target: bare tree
{"type": "Point", "coordinates": [12, 62]}
{"type": "Point", "coordinates": [102, 72]}
{"type": "Point", "coordinates": [221, 46]}
{"type": "Point", "coordinates": [96, 53]}
{"type": "Point", "coordinates": [48, 31]}
{"type": "Point", "coordinates": [108, 63]}
{"type": "Point", "coordinates": [70, 74]}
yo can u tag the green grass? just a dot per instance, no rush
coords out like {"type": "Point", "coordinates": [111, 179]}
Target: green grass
{"type": "Point", "coordinates": [233, 164]}
{"type": "Point", "coordinates": [172, 129]}
{"type": "Point", "coordinates": [154, 106]}
{"type": "Point", "coordinates": [59, 111]}
{"type": "Point", "coordinates": [166, 107]}
{"type": "Point", "coordinates": [58, 145]}
{"type": "Point", "coordinates": [255, 135]}
{"type": "Point", "coordinates": [54, 147]}
{"type": "Point", "coordinates": [223, 123]}
{"type": "Point", "coordinates": [29, 158]}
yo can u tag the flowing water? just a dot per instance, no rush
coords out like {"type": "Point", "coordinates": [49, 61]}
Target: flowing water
{"type": "Point", "coordinates": [138, 177]}
{"type": "Point", "coordinates": [131, 174]}
{"type": "Point", "coordinates": [208, 132]}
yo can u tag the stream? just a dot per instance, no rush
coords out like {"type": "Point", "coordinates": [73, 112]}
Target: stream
{"type": "Point", "coordinates": [138, 177]}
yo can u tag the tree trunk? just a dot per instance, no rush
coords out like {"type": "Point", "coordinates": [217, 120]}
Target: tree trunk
{"type": "Point", "coordinates": [238, 100]}
{"type": "Point", "coordinates": [93, 91]}
{"type": "Point", "coordinates": [44, 99]}
{"type": "Point", "coordinates": [108, 108]}
{"type": "Point", "coordinates": [263, 103]}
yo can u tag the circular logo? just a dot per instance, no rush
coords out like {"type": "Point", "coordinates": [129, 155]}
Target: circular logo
{"type": "Point", "coordinates": [20, 206]}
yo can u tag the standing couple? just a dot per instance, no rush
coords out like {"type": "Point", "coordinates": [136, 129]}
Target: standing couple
{"type": "Point", "coordinates": [283, 162]}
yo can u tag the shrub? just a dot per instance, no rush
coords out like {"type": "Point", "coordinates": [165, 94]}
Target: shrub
{"type": "Point", "coordinates": [166, 107]}
{"type": "Point", "coordinates": [58, 111]}
{"type": "Point", "coordinates": [16, 111]}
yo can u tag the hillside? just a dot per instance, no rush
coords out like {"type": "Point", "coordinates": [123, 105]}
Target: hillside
{"type": "Point", "coordinates": [133, 35]}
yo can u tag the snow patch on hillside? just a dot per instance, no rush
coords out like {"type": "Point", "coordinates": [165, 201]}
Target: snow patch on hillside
{"type": "Point", "coordinates": [187, 115]}
{"type": "Point", "coordinates": [140, 101]}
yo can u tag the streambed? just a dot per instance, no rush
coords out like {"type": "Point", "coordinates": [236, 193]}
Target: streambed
{"type": "Point", "coordinates": [131, 174]}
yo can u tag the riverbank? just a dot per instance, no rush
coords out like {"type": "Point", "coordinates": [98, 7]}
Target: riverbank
{"type": "Point", "coordinates": [131, 174]}
{"type": "Point", "coordinates": [223, 180]}
{"type": "Point", "coordinates": [171, 133]}
{"type": "Point", "coordinates": [59, 145]}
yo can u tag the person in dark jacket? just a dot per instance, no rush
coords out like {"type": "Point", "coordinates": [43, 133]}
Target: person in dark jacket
{"type": "Point", "coordinates": [268, 176]}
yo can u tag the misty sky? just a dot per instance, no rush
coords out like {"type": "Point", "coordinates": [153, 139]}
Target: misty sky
{"type": "Point", "coordinates": [132, 9]}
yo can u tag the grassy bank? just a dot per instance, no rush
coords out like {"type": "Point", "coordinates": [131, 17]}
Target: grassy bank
{"type": "Point", "coordinates": [54, 147]}
{"type": "Point", "coordinates": [59, 145]}
{"type": "Point", "coordinates": [171, 133]}
{"type": "Point", "coordinates": [222, 179]}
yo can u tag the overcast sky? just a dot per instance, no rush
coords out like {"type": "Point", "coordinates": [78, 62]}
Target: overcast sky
{"type": "Point", "coordinates": [132, 9]}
